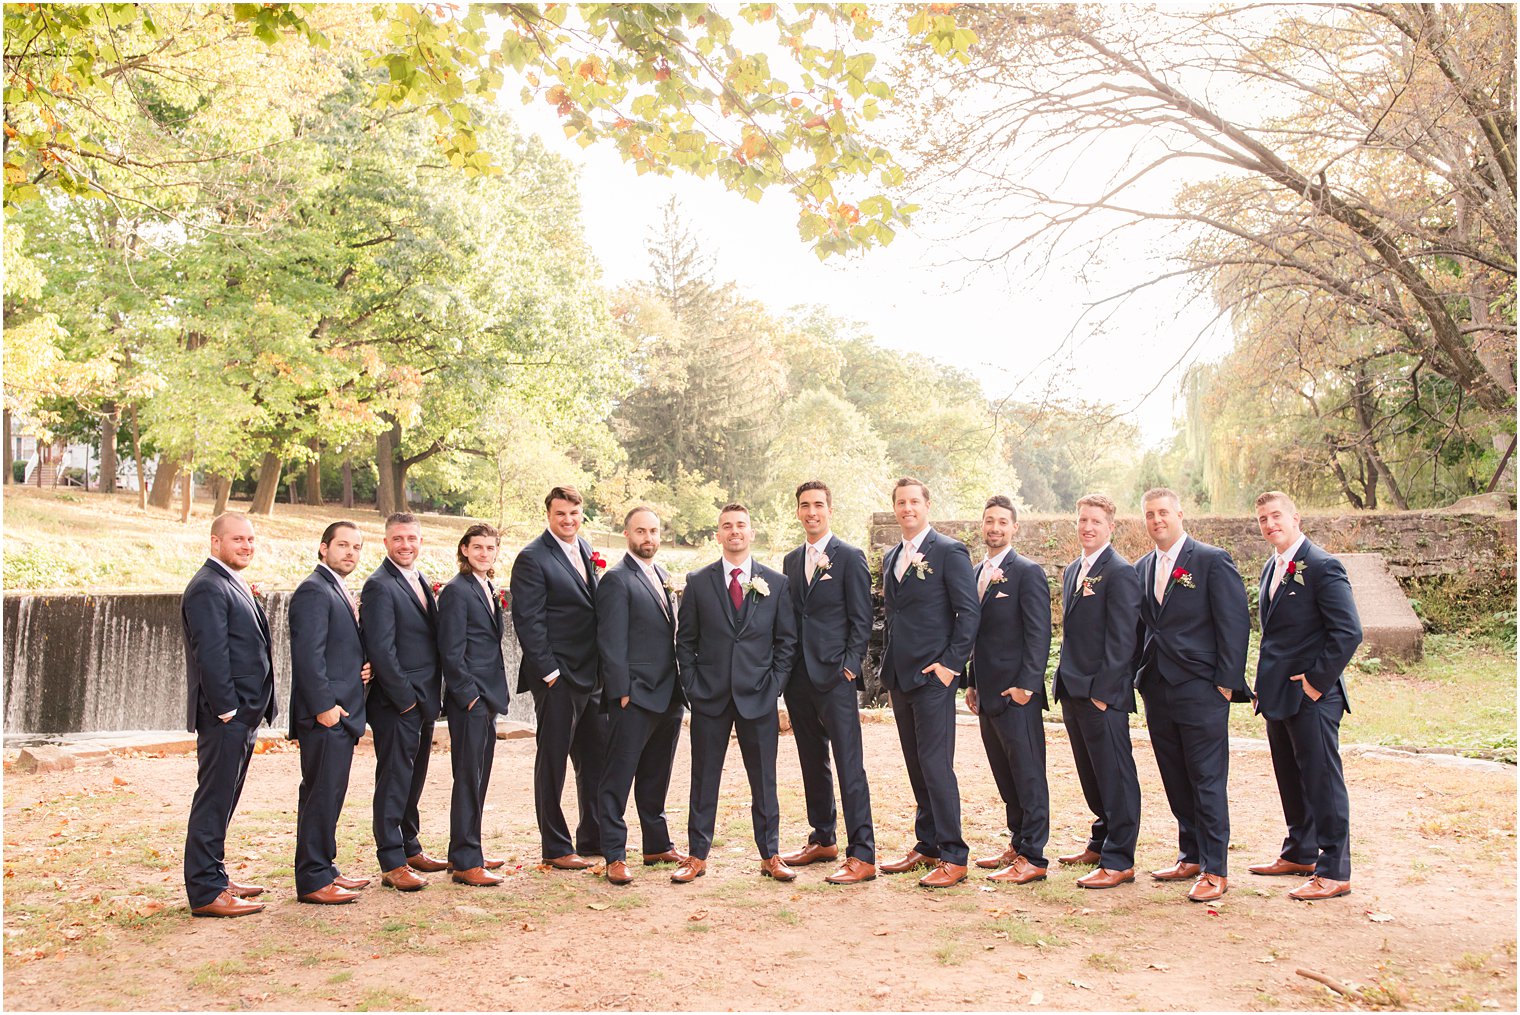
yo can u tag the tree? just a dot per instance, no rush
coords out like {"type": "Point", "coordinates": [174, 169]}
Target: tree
{"type": "Point", "coordinates": [667, 85]}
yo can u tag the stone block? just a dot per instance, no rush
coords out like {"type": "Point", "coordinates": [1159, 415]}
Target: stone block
{"type": "Point", "coordinates": [1390, 627]}
{"type": "Point", "coordinates": [506, 729]}
{"type": "Point", "coordinates": [44, 758]}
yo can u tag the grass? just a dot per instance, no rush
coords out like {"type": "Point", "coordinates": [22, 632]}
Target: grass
{"type": "Point", "coordinates": [384, 999]}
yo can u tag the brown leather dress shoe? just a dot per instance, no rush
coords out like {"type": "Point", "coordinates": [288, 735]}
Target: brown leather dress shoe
{"type": "Point", "coordinates": [227, 904]}
{"type": "Point", "coordinates": [853, 872]}
{"type": "Point", "coordinates": [1317, 889]}
{"type": "Point", "coordinates": [352, 884]}
{"type": "Point", "coordinates": [569, 862]}
{"type": "Point", "coordinates": [1002, 859]}
{"type": "Point", "coordinates": [478, 877]}
{"type": "Point", "coordinates": [330, 895]}
{"type": "Point", "coordinates": [1105, 878]}
{"type": "Point", "coordinates": [1281, 866]}
{"type": "Point", "coordinates": [690, 869]}
{"type": "Point", "coordinates": [944, 875]}
{"type": "Point", "coordinates": [244, 891]}
{"type": "Point", "coordinates": [1019, 872]}
{"type": "Point", "coordinates": [426, 864]}
{"type": "Point", "coordinates": [811, 853]}
{"type": "Point", "coordinates": [617, 873]}
{"type": "Point", "coordinates": [669, 856]}
{"type": "Point", "coordinates": [404, 879]}
{"type": "Point", "coordinates": [1076, 859]}
{"type": "Point", "coordinates": [772, 867]}
{"type": "Point", "coordinates": [907, 863]}
{"type": "Point", "coordinates": [494, 863]}
{"type": "Point", "coordinates": [1178, 871]}
{"type": "Point", "coordinates": [1208, 888]}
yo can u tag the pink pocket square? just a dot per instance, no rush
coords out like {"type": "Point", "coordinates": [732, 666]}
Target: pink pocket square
{"type": "Point", "coordinates": [825, 577]}
{"type": "Point", "coordinates": [1001, 595]}
{"type": "Point", "coordinates": [1088, 591]}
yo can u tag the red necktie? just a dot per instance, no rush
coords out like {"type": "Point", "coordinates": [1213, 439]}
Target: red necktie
{"type": "Point", "coordinates": [735, 593]}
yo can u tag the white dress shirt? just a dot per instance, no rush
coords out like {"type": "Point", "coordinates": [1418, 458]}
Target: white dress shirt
{"type": "Point", "coordinates": [1164, 561]}
{"type": "Point", "coordinates": [1280, 565]}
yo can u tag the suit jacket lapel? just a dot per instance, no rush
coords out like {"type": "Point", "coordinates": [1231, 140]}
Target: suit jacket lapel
{"type": "Point", "coordinates": [720, 586]}
{"type": "Point", "coordinates": [1182, 558]}
{"type": "Point", "coordinates": [400, 580]}
{"type": "Point", "coordinates": [988, 595]}
{"type": "Point", "coordinates": [751, 601]}
{"type": "Point", "coordinates": [336, 585]}
{"type": "Point", "coordinates": [632, 567]}
{"type": "Point", "coordinates": [557, 551]}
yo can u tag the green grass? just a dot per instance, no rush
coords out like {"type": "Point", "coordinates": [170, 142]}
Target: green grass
{"type": "Point", "coordinates": [383, 999]}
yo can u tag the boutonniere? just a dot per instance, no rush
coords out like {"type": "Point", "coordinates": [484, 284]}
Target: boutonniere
{"type": "Point", "coordinates": [757, 585]}
{"type": "Point", "coordinates": [257, 592]}
{"type": "Point", "coordinates": [437, 587]}
{"type": "Point", "coordinates": [997, 576]}
{"type": "Point", "coordinates": [670, 589]}
{"type": "Point", "coordinates": [1183, 577]}
{"type": "Point", "coordinates": [1296, 569]}
{"type": "Point", "coordinates": [598, 561]}
{"type": "Point", "coordinates": [1089, 582]}
{"type": "Point", "coordinates": [503, 600]}
{"type": "Point", "coordinates": [920, 565]}
{"type": "Point", "coordinates": [824, 563]}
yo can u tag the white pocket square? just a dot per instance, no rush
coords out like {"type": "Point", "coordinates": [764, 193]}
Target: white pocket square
{"type": "Point", "coordinates": [825, 577]}
{"type": "Point", "coordinates": [1001, 595]}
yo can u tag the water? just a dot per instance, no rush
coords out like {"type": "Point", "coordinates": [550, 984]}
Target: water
{"type": "Point", "coordinates": [116, 663]}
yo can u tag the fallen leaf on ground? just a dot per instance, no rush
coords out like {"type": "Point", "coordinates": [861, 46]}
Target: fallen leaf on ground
{"type": "Point", "coordinates": [1379, 917]}
{"type": "Point", "coordinates": [598, 906]}
{"type": "Point", "coordinates": [1159, 965]}
{"type": "Point", "coordinates": [1079, 984]}
{"type": "Point", "coordinates": [700, 914]}
{"type": "Point", "coordinates": [877, 933]}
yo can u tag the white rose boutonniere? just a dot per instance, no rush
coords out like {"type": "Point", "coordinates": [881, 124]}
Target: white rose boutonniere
{"type": "Point", "coordinates": [920, 566]}
{"type": "Point", "coordinates": [758, 586]}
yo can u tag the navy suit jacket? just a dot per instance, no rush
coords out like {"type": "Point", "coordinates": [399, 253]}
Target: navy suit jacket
{"type": "Point", "coordinates": [401, 640]}
{"type": "Point", "coordinates": [722, 657]}
{"type": "Point", "coordinates": [833, 613]}
{"type": "Point", "coordinates": [326, 654]}
{"type": "Point", "coordinates": [554, 614]}
{"type": "Point", "coordinates": [1098, 632]}
{"type": "Point", "coordinates": [637, 638]}
{"type": "Point", "coordinates": [931, 619]}
{"type": "Point", "coordinates": [1198, 633]}
{"type": "Point", "coordinates": [469, 646]}
{"type": "Point", "coordinates": [1013, 637]}
{"type": "Point", "coordinates": [229, 666]}
{"type": "Point", "coordinates": [1309, 627]}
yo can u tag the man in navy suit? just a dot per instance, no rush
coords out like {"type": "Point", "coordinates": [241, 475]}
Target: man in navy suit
{"type": "Point", "coordinates": [831, 595]}
{"type": "Point", "coordinates": [327, 679]}
{"type": "Point", "coordinates": [229, 677]}
{"type": "Point", "coordinates": [554, 613]}
{"type": "Point", "coordinates": [1309, 631]}
{"type": "Point", "coordinates": [469, 645]}
{"type": "Point", "coordinates": [1095, 684]}
{"type": "Point", "coordinates": [1005, 688]}
{"type": "Point", "coordinates": [735, 637]}
{"type": "Point", "coordinates": [398, 619]}
{"type": "Point", "coordinates": [636, 635]}
{"type": "Point", "coordinates": [931, 618]}
{"type": "Point", "coordinates": [1191, 663]}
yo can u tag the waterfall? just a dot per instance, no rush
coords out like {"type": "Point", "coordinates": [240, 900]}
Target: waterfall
{"type": "Point", "coordinates": [116, 663]}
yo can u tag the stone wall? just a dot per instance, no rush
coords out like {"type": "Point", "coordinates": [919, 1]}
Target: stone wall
{"type": "Point", "coordinates": [1416, 544]}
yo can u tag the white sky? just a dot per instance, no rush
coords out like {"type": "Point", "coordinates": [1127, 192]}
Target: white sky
{"type": "Point", "coordinates": [919, 294]}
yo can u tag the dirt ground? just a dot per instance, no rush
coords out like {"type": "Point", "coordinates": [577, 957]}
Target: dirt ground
{"type": "Point", "coordinates": [95, 916]}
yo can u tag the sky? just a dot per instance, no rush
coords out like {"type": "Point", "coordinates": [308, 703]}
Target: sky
{"type": "Point", "coordinates": [1021, 332]}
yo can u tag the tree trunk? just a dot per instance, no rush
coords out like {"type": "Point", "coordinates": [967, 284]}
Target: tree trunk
{"type": "Point", "coordinates": [385, 457]}
{"type": "Point", "coordinates": [291, 489]}
{"type": "Point", "coordinates": [10, 449]}
{"type": "Point", "coordinates": [348, 482]}
{"type": "Point", "coordinates": [221, 488]}
{"type": "Point", "coordinates": [164, 480]}
{"type": "Point", "coordinates": [187, 494]}
{"type": "Point", "coordinates": [137, 459]}
{"type": "Point", "coordinates": [268, 486]}
{"type": "Point", "coordinates": [314, 475]}
{"type": "Point", "coordinates": [108, 448]}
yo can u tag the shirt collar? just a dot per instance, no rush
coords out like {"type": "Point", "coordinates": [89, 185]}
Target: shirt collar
{"type": "Point", "coordinates": [574, 546]}
{"type": "Point", "coordinates": [485, 582]}
{"type": "Point", "coordinates": [1176, 548]}
{"type": "Point", "coordinates": [647, 566]}
{"type": "Point", "coordinates": [336, 576]}
{"type": "Point", "coordinates": [1002, 555]}
{"type": "Point", "coordinates": [1090, 560]}
{"type": "Point", "coordinates": [917, 541]}
{"type": "Point", "coordinates": [227, 570]}
{"type": "Point", "coordinates": [745, 569]}
{"type": "Point", "coordinates": [406, 572]}
{"type": "Point", "coordinates": [822, 543]}
{"type": "Point", "coordinates": [1292, 551]}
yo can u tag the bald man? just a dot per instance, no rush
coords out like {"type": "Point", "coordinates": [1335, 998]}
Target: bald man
{"type": "Point", "coordinates": [229, 676]}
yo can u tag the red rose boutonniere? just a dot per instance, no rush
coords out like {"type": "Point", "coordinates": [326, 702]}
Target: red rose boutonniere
{"type": "Point", "coordinates": [1183, 577]}
{"type": "Point", "coordinates": [257, 592]}
{"type": "Point", "coordinates": [1296, 569]}
{"type": "Point", "coordinates": [598, 561]}
{"type": "Point", "coordinates": [437, 587]}
{"type": "Point", "coordinates": [503, 599]}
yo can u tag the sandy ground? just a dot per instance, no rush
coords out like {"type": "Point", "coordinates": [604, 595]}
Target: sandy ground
{"type": "Point", "coordinates": [95, 916]}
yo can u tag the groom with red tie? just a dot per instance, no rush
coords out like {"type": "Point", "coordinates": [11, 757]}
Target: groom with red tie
{"type": "Point", "coordinates": [735, 636]}
{"type": "Point", "coordinates": [931, 619]}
